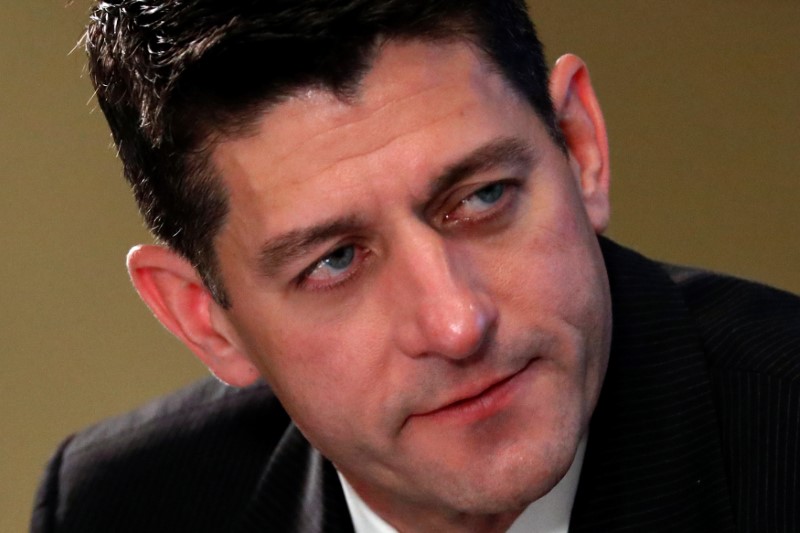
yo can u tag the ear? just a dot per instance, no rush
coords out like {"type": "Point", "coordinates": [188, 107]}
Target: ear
{"type": "Point", "coordinates": [581, 121]}
{"type": "Point", "coordinates": [174, 292]}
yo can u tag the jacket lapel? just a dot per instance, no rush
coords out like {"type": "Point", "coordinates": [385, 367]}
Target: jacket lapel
{"type": "Point", "coordinates": [653, 461]}
{"type": "Point", "coordinates": [299, 492]}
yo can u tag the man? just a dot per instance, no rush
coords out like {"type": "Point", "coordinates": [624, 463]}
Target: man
{"type": "Point", "coordinates": [390, 213]}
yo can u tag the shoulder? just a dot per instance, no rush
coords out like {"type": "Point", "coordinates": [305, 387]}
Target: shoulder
{"type": "Point", "coordinates": [201, 409]}
{"type": "Point", "coordinates": [745, 326]}
{"type": "Point", "coordinates": [751, 337]}
{"type": "Point", "coordinates": [189, 458]}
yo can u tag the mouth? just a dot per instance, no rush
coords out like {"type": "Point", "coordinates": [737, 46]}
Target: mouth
{"type": "Point", "coordinates": [488, 400]}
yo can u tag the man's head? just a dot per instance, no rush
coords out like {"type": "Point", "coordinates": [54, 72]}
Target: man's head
{"type": "Point", "coordinates": [413, 267]}
{"type": "Point", "coordinates": [173, 78]}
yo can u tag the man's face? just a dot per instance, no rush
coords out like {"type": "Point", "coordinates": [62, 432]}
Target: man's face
{"type": "Point", "coordinates": [415, 275]}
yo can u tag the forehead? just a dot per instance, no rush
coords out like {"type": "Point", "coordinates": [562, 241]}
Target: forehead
{"type": "Point", "coordinates": [416, 111]}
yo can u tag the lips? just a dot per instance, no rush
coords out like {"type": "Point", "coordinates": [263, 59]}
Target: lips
{"type": "Point", "coordinates": [480, 401]}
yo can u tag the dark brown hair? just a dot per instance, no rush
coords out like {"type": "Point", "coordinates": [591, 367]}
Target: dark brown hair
{"type": "Point", "coordinates": [175, 76]}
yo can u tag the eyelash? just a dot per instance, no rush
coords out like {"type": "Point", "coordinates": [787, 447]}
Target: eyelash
{"type": "Point", "coordinates": [362, 254]}
{"type": "Point", "coordinates": [499, 208]}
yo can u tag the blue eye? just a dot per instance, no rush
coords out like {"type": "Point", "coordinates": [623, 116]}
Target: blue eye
{"type": "Point", "coordinates": [333, 268]}
{"type": "Point", "coordinates": [340, 259]}
{"type": "Point", "coordinates": [490, 203]}
{"type": "Point", "coordinates": [482, 200]}
{"type": "Point", "coordinates": [491, 194]}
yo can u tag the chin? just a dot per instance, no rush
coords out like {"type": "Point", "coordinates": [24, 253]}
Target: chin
{"type": "Point", "coordinates": [513, 482]}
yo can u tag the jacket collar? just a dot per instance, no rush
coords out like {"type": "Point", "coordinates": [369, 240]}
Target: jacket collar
{"type": "Point", "coordinates": [298, 492]}
{"type": "Point", "coordinates": [654, 460]}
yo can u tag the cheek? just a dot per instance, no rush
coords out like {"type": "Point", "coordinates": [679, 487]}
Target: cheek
{"type": "Point", "coordinates": [550, 278]}
{"type": "Point", "coordinates": [307, 379]}
{"type": "Point", "coordinates": [556, 250]}
{"type": "Point", "coordinates": [547, 271]}
{"type": "Point", "coordinates": [323, 373]}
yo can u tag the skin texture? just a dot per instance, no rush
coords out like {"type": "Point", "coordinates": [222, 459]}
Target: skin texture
{"type": "Point", "coordinates": [444, 336]}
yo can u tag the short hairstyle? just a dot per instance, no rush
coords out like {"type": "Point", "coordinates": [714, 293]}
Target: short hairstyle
{"type": "Point", "coordinates": [174, 77]}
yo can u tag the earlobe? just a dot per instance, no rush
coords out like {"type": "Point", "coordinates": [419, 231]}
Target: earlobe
{"type": "Point", "coordinates": [581, 121]}
{"type": "Point", "coordinates": [173, 291]}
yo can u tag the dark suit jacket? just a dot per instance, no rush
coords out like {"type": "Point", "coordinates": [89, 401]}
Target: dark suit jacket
{"type": "Point", "coordinates": [697, 429]}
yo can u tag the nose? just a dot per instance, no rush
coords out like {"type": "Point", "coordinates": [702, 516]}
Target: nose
{"type": "Point", "coordinates": [442, 308]}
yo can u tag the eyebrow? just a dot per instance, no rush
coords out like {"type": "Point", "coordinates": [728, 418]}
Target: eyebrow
{"type": "Point", "coordinates": [293, 244]}
{"type": "Point", "coordinates": [280, 250]}
{"type": "Point", "coordinates": [502, 152]}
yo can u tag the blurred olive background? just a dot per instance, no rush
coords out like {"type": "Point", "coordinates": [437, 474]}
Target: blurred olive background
{"type": "Point", "coordinates": [701, 100]}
